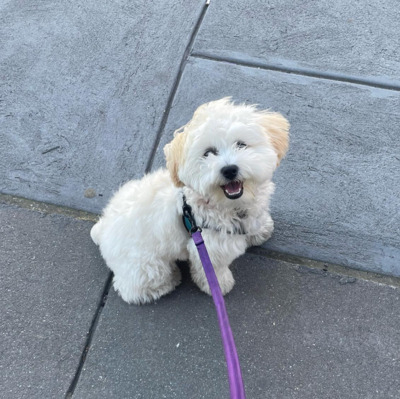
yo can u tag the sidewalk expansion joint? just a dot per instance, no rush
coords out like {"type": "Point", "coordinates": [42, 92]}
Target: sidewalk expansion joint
{"type": "Point", "coordinates": [175, 86]}
{"type": "Point", "coordinates": [46, 208]}
{"type": "Point", "coordinates": [89, 337]}
{"type": "Point", "coordinates": [350, 274]}
{"type": "Point", "coordinates": [378, 83]}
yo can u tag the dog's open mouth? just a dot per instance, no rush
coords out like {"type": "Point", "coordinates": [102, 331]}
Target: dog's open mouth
{"type": "Point", "coordinates": [233, 190]}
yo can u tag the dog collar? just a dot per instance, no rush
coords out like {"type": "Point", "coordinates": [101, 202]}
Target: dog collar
{"type": "Point", "coordinates": [191, 226]}
{"type": "Point", "coordinates": [187, 217]}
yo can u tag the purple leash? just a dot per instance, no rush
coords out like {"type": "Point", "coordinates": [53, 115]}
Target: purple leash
{"type": "Point", "coordinates": [232, 360]}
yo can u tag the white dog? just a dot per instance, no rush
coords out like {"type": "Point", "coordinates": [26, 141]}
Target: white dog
{"type": "Point", "coordinates": [222, 161]}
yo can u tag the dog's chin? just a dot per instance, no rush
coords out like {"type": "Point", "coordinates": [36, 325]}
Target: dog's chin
{"type": "Point", "coordinates": [233, 190]}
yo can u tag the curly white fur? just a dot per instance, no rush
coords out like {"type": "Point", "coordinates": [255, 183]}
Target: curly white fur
{"type": "Point", "coordinates": [141, 233]}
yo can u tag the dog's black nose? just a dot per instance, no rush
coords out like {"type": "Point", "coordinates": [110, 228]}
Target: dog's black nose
{"type": "Point", "coordinates": [230, 172]}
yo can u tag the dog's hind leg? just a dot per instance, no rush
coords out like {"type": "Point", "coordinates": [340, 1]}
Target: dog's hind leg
{"type": "Point", "coordinates": [147, 283]}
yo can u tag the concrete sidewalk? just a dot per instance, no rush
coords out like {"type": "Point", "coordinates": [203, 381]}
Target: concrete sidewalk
{"type": "Point", "coordinates": [303, 330]}
{"type": "Point", "coordinates": [91, 91]}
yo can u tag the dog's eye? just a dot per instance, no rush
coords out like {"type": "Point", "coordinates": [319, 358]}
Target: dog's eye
{"type": "Point", "coordinates": [210, 150]}
{"type": "Point", "coordinates": [241, 144]}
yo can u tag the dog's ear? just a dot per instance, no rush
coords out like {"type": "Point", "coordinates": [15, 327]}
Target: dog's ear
{"type": "Point", "coordinates": [277, 128]}
{"type": "Point", "coordinates": [174, 155]}
{"type": "Point", "coordinates": [174, 150]}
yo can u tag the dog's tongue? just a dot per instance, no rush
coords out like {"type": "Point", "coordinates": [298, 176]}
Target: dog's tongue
{"type": "Point", "coordinates": [233, 187]}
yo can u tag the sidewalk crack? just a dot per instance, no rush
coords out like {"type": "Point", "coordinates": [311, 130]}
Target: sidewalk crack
{"type": "Point", "coordinates": [89, 337]}
{"type": "Point", "coordinates": [379, 83]}
{"type": "Point", "coordinates": [175, 85]}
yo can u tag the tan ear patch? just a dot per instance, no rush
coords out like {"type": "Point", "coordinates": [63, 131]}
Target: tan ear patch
{"type": "Point", "coordinates": [174, 155]}
{"type": "Point", "coordinates": [174, 151]}
{"type": "Point", "coordinates": [277, 128]}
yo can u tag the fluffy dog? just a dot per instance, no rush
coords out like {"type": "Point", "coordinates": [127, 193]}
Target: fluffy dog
{"type": "Point", "coordinates": [222, 161]}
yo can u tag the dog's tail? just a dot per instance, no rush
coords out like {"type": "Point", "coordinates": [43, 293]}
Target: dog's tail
{"type": "Point", "coordinates": [95, 232]}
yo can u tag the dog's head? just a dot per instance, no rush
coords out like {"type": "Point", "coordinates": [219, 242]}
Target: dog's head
{"type": "Point", "coordinates": [226, 149]}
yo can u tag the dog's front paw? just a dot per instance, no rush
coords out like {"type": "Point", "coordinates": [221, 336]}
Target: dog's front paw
{"type": "Point", "coordinates": [224, 277]}
{"type": "Point", "coordinates": [263, 235]}
{"type": "Point", "coordinates": [258, 239]}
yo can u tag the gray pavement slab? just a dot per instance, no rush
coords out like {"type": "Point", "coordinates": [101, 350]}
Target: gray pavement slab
{"type": "Point", "coordinates": [51, 281]}
{"type": "Point", "coordinates": [300, 333]}
{"type": "Point", "coordinates": [358, 38]}
{"type": "Point", "coordinates": [83, 89]}
{"type": "Point", "coordinates": [337, 191]}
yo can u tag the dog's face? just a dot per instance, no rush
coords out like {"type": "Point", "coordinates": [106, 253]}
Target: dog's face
{"type": "Point", "coordinates": [226, 150]}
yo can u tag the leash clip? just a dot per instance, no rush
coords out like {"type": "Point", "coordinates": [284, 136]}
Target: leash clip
{"type": "Point", "coordinates": [188, 219]}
